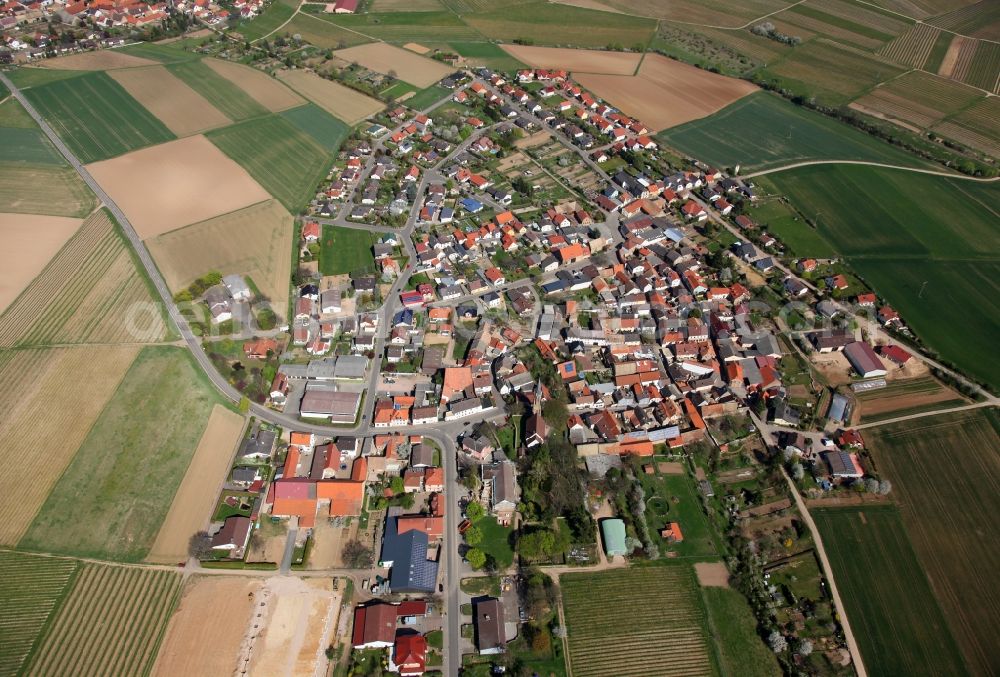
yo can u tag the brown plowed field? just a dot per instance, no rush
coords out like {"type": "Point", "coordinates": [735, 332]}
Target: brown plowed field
{"type": "Point", "coordinates": [195, 499]}
{"type": "Point", "coordinates": [176, 184]}
{"type": "Point", "coordinates": [53, 395]}
{"type": "Point", "coordinates": [712, 574]}
{"type": "Point", "coordinates": [193, 645]}
{"type": "Point", "coordinates": [576, 60]}
{"type": "Point", "coordinates": [29, 242]}
{"type": "Point", "coordinates": [261, 87]}
{"type": "Point", "coordinates": [183, 110]}
{"type": "Point", "coordinates": [101, 60]}
{"type": "Point", "coordinates": [339, 101]}
{"type": "Point", "coordinates": [409, 67]}
{"type": "Point", "coordinates": [667, 93]}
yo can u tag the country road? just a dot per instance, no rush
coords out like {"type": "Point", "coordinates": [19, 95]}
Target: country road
{"type": "Point", "coordinates": [866, 163]}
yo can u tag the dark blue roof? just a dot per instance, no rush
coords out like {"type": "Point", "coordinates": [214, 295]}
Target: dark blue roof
{"type": "Point", "coordinates": [472, 205]}
{"type": "Point", "coordinates": [411, 571]}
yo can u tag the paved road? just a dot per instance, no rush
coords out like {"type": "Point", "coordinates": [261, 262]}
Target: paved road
{"type": "Point", "coordinates": [809, 163]}
{"type": "Point", "coordinates": [286, 557]}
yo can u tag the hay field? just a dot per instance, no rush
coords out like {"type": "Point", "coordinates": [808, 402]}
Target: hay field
{"type": "Point", "coordinates": [195, 500]}
{"type": "Point", "coordinates": [111, 623]}
{"type": "Point", "coordinates": [945, 472]}
{"type": "Point", "coordinates": [669, 633]}
{"type": "Point", "coordinates": [193, 181]}
{"type": "Point", "coordinates": [666, 92]}
{"type": "Point", "coordinates": [100, 60]}
{"type": "Point", "coordinates": [336, 99]}
{"type": "Point", "coordinates": [90, 292]}
{"type": "Point", "coordinates": [193, 647]}
{"type": "Point", "coordinates": [576, 60]}
{"type": "Point", "coordinates": [261, 87]}
{"type": "Point", "coordinates": [31, 588]}
{"type": "Point", "coordinates": [44, 189]}
{"type": "Point", "coordinates": [147, 432]}
{"type": "Point", "coordinates": [183, 110]}
{"type": "Point", "coordinates": [256, 241]}
{"type": "Point", "coordinates": [29, 241]}
{"type": "Point", "coordinates": [51, 394]}
{"type": "Point", "coordinates": [409, 67]}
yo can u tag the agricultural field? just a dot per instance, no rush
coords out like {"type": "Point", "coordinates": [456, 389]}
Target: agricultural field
{"type": "Point", "coordinates": [110, 623]}
{"type": "Point", "coordinates": [914, 47]}
{"type": "Point", "coordinates": [984, 69]}
{"type": "Point", "coordinates": [12, 114]}
{"type": "Point", "coordinates": [577, 60]}
{"type": "Point", "coordinates": [191, 646]}
{"type": "Point", "coordinates": [402, 27]}
{"type": "Point", "coordinates": [716, 12]}
{"type": "Point", "coordinates": [255, 241]}
{"type": "Point", "coordinates": [901, 398]}
{"type": "Point", "coordinates": [846, 22]}
{"type": "Point", "coordinates": [546, 24]}
{"type": "Point", "coordinates": [44, 189]}
{"type": "Point", "coordinates": [889, 600]}
{"type": "Point", "coordinates": [165, 53]}
{"type": "Point", "coordinates": [427, 97]}
{"type": "Point", "coordinates": [31, 588]}
{"type": "Point", "coordinates": [195, 499]}
{"type": "Point", "coordinates": [90, 292]}
{"type": "Point", "coordinates": [734, 630]}
{"type": "Point", "coordinates": [100, 60]}
{"type": "Point", "coordinates": [29, 242]}
{"type": "Point", "coordinates": [147, 432]}
{"type": "Point", "coordinates": [324, 34]}
{"type": "Point", "coordinates": [273, 16]}
{"type": "Point", "coordinates": [978, 20]}
{"type": "Point", "coordinates": [407, 66]}
{"type": "Point", "coordinates": [183, 110]}
{"type": "Point", "coordinates": [919, 100]}
{"type": "Point", "coordinates": [339, 101]}
{"type": "Point", "coordinates": [27, 146]}
{"type": "Point", "coordinates": [223, 94]}
{"type": "Point", "coordinates": [977, 127]}
{"type": "Point", "coordinates": [30, 76]}
{"type": "Point", "coordinates": [486, 54]}
{"type": "Point", "coordinates": [900, 229]}
{"type": "Point", "coordinates": [260, 86]}
{"type": "Point", "coordinates": [780, 219]}
{"type": "Point", "coordinates": [286, 162]}
{"type": "Point", "coordinates": [669, 633]}
{"type": "Point", "coordinates": [96, 117]}
{"type": "Point", "coordinates": [194, 179]}
{"type": "Point", "coordinates": [53, 394]}
{"type": "Point", "coordinates": [763, 131]}
{"type": "Point", "coordinates": [346, 250]}
{"type": "Point", "coordinates": [405, 6]}
{"type": "Point", "coordinates": [945, 472]}
{"type": "Point", "coordinates": [326, 130]}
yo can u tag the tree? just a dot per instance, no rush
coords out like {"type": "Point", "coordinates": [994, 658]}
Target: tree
{"type": "Point", "coordinates": [200, 545]}
{"type": "Point", "coordinates": [474, 536]}
{"type": "Point", "coordinates": [356, 554]}
{"type": "Point", "coordinates": [474, 511]}
{"type": "Point", "coordinates": [884, 487]}
{"type": "Point", "coordinates": [777, 641]}
{"type": "Point", "coordinates": [804, 647]}
{"type": "Point", "coordinates": [537, 545]}
{"type": "Point", "coordinates": [396, 485]}
{"type": "Point", "coordinates": [476, 558]}
{"type": "Point", "coordinates": [797, 472]}
{"type": "Point", "coordinates": [872, 485]}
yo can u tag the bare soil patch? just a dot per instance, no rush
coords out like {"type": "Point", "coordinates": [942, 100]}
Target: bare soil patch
{"type": "Point", "coordinates": [194, 501]}
{"type": "Point", "coordinates": [834, 366]}
{"type": "Point", "coordinates": [409, 67]}
{"type": "Point", "coordinates": [336, 99]}
{"type": "Point", "coordinates": [666, 93]}
{"type": "Point", "coordinates": [947, 67]}
{"type": "Point", "coordinates": [532, 140]}
{"type": "Point", "coordinates": [299, 620]}
{"type": "Point", "coordinates": [204, 635]}
{"type": "Point", "coordinates": [712, 574]}
{"type": "Point", "coordinates": [576, 60]}
{"type": "Point", "coordinates": [670, 467]}
{"type": "Point", "coordinates": [176, 184]}
{"type": "Point", "coordinates": [328, 544]}
{"type": "Point", "coordinates": [183, 110]}
{"type": "Point", "coordinates": [417, 47]}
{"type": "Point", "coordinates": [267, 543]}
{"type": "Point", "coordinates": [100, 60]}
{"type": "Point", "coordinates": [885, 405]}
{"type": "Point", "coordinates": [261, 87]}
{"type": "Point", "coordinates": [28, 242]}
{"type": "Point", "coordinates": [255, 241]}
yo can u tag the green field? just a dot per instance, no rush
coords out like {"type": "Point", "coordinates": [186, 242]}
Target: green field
{"type": "Point", "coordinates": [945, 472]}
{"type": "Point", "coordinates": [427, 97]}
{"type": "Point", "coordinates": [402, 27]}
{"type": "Point", "coordinates": [672, 498]}
{"type": "Point", "coordinates": [782, 221]}
{"type": "Point", "coordinates": [12, 114]}
{"type": "Point", "coordinates": [893, 613]}
{"type": "Point", "coordinates": [346, 250]}
{"type": "Point", "coordinates": [900, 229]}
{"type": "Point", "coordinates": [763, 130]}
{"type": "Point", "coordinates": [30, 146]}
{"type": "Point", "coordinates": [96, 117]}
{"type": "Point", "coordinates": [564, 25]}
{"type": "Point", "coordinates": [173, 52]}
{"type": "Point", "coordinates": [232, 101]}
{"type": "Point", "coordinates": [112, 500]}
{"type": "Point", "coordinates": [733, 629]}
{"type": "Point", "coordinates": [44, 189]}
{"type": "Point", "coordinates": [36, 77]}
{"type": "Point", "coordinates": [486, 54]}
{"type": "Point", "coordinates": [316, 31]}
{"type": "Point", "coordinates": [275, 14]}
{"type": "Point", "coordinates": [284, 160]}
{"type": "Point", "coordinates": [624, 621]}
{"type": "Point", "coordinates": [31, 587]}
{"type": "Point", "coordinates": [326, 130]}
{"type": "Point", "coordinates": [496, 541]}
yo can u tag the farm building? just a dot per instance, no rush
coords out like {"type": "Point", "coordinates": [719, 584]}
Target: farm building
{"type": "Point", "coordinates": [613, 532]}
{"type": "Point", "coordinates": [842, 464]}
{"type": "Point", "coordinates": [864, 360]}
{"type": "Point", "coordinates": [838, 409]}
{"type": "Point", "coordinates": [323, 402]}
{"type": "Point", "coordinates": [374, 626]}
{"type": "Point", "coordinates": [406, 555]}
{"type": "Point", "coordinates": [491, 636]}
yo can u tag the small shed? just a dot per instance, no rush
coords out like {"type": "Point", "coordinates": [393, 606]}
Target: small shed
{"type": "Point", "coordinates": [613, 532]}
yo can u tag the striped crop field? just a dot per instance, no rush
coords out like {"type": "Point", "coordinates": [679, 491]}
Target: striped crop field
{"type": "Point", "coordinates": [111, 623]}
{"type": "Point", "coordinates": [913, 47]}
{"type": "Point", "coordinates": [30, 587]}
{"type": "Point", "coordinates": [977, 127]}
{"type": "Point", "coordinates": [920, 98]}
{"type": "Point", "coordinates": [608, 635]}
{"type": "Point", "coordinates": [91, 292]}
{"type": "Point", "coordinates": [984, 67]}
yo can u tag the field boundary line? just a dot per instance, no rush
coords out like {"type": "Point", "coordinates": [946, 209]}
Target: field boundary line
{"type": "Point", "coordinates": [212, 218]}
{"type": "Point", "coordinates": [869, 163]}
{"type": "Point", "coordinates": [345, 28]}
